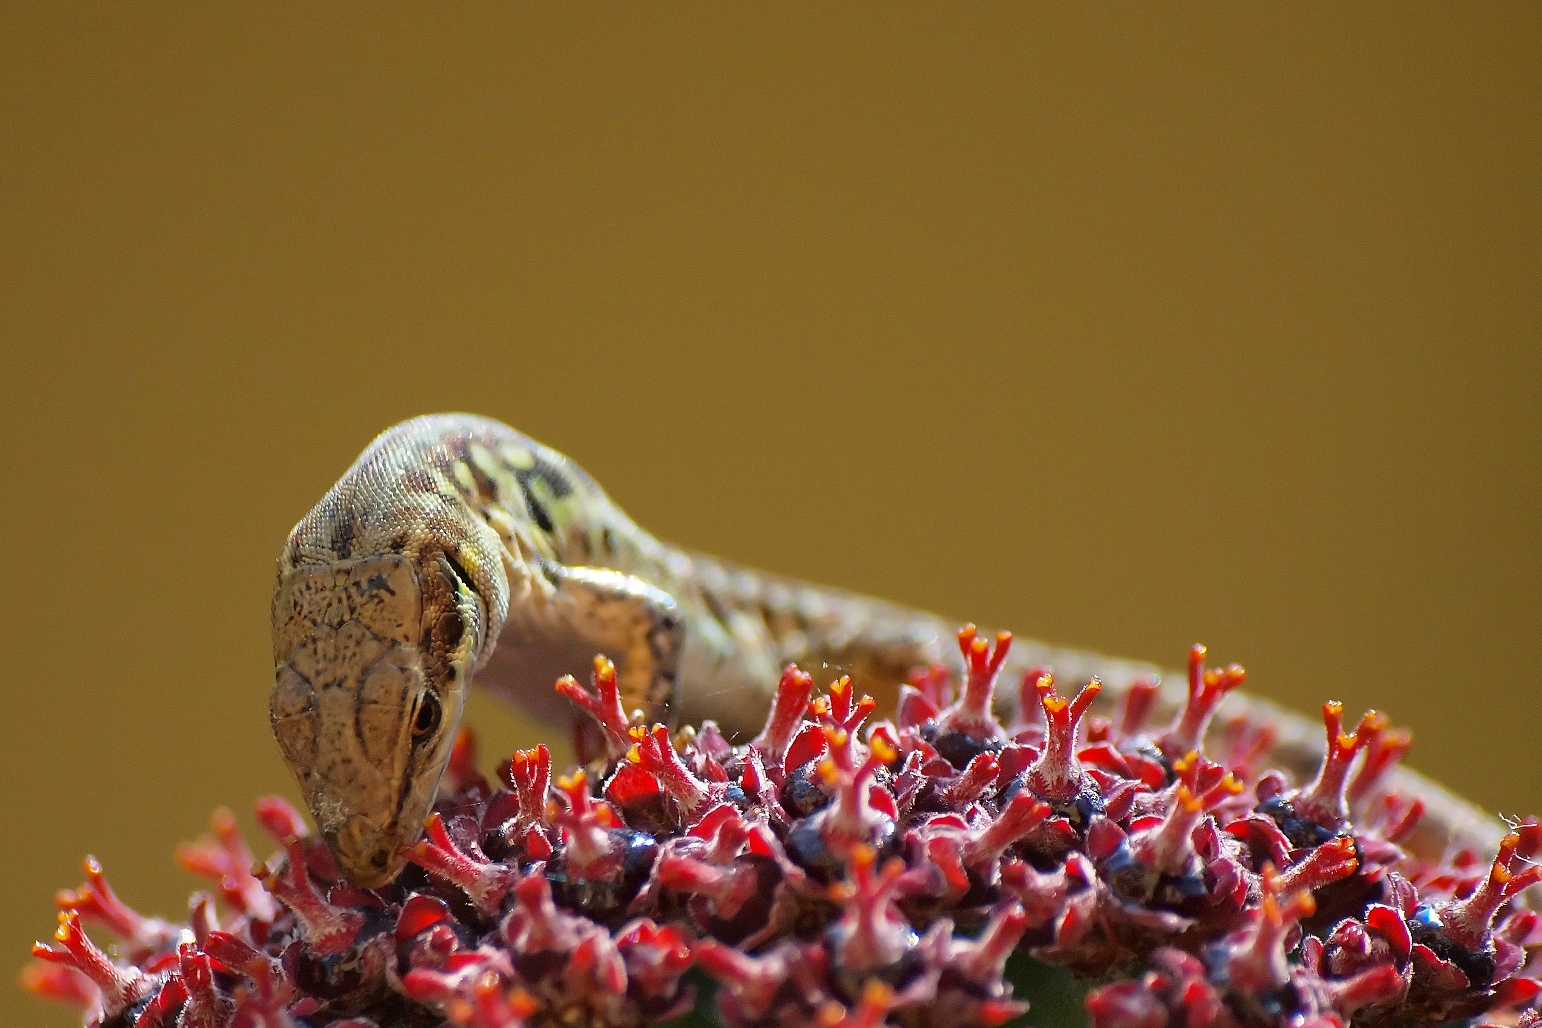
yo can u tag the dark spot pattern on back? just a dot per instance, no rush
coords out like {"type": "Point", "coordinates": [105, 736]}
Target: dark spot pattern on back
{"type": "Point", "coordinates": [553, 475]}
{"type": "Point", "coordinates": [343, 535]}
{"type": "Point", "coordinates": [487, 489]}
{"type": "Point", "coordinates": [538, 512]}
{"type": "Point", "coordinates": [714, 604]}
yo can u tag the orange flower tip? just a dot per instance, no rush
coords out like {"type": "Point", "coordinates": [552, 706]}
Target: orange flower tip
{"type": "Point", "coordinates": [876, 993]}
{"type": "Point", "coordinates": [1184, 763]}
{"type": "Point", "coordinates": [1188, 801]}
{"type": "Point", "coordinates": [1055, 704]}
{"type": "Point", "coordinates": [1198, 651]}
{"type": "Point", "coordinates": [1501, 874]}
{"type": "Point", "coordinates": [566, 682]}
{"type": "Point", "coordinates": [840, 685]}
{"type": "Point", "coordinates": [864, 855]}
{"type": "Point", "coordinates": [92, 866]}
{"type": "Point", "coordinates": [882, 750]}
{"type": "Point", "coordinates": [827, 772]}
{"type": "Point", "coordinates": [1232, 784]}
{"type": "Point", "coordinates": [1333, 707]}
{"type": "Point", "coordinates": [634, 755]}
{"type": "Point", "coordinates": [979, 647]}
{"type": "Point", "coordinates": [1002, 638]}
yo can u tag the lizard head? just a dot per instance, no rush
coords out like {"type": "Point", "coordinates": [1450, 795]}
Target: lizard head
{"type": "Point", "coordinates": [372, 658]}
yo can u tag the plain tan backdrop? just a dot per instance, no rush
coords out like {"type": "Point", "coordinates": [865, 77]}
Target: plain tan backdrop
{"type": "Point", "coordinates": [1122, 328]}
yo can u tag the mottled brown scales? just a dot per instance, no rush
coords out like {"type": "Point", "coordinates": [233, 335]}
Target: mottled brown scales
{"type": "Point", "coordinates": [455, 549]}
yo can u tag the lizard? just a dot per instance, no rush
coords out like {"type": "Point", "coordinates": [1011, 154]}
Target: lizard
{"type": "Point", "coordinates": [456, 549]}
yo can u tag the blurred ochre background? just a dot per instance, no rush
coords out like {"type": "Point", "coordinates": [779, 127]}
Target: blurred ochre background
{"type": "Point", "coordinates": [1123, 328]}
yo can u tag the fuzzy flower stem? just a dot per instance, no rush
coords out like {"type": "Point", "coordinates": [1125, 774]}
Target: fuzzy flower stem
{"type": "Point", "coordinates": [1327, 863]}
{"type": "Point", "coordinates": [205, 1008]}
{"type": "Point", "coordinates": [1383, 750]}
{"type": "Point", "coordinates": [1056, 775]}
{"type": "Point", "coordinates": [1171, 849]}
{"type": "Point", "coordinates": [278, 817]}
{"type": "Point", "coordinates": [486, 883]}
{"type": "Point", "coordinates": [850, 820]}
{"type": "Point", "coordinates": [96, 901]}
{"type": "Point", "coordinates": [840, 708]}
{"type": "Point", "coordinates": [1022, 815]}
{"type": "Point", "coordinates": [1257, 963]}
{"type": "Point", "coordinates": [654, 753]}
{"type": "Point", "coordinates": [119, 986]}
{"type": "Point", "coordinates": [62, 984]}
{"type": "Point", "coordinates": [604, 705]}
{"type": "Point", "coordinates": [1137, 703]}
{"type": "Point", "coordinates": [1323, 800]}
{"type": "Point", "coordinates": [223, 858]}
{"type": "Point", "coordinates": [329, 929]}
{"type": "Point", "coordinates": [586, 825]}
{"type": "Point", "coordinates": [787, 709]}
{"type": "Point", "coordinates": [754, 981]}
{"type": "Point", "coordinates": [728, 888]}
{"type": "Point", "coordinates": [871, 934]}
{"type": "Point", "coordinates": [1466, 921]}
{"type": "Point", "coordinates": [971, 715]}
{"type": "Point", "coordinates": [1206, 689]}
{"type": "Point", "coordinates": [529, 775]}
{"type": "Point", "coordinates": [983, 959]}
{"type": "Point", "coordinates": [972, 782]}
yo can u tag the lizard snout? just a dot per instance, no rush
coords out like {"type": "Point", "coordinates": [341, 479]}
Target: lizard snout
{"type": "Point", "coordinates": [368, 855]}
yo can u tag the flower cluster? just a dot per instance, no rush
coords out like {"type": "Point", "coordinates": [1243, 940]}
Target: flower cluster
{"type": "Point", "coordinates": [838, 872]}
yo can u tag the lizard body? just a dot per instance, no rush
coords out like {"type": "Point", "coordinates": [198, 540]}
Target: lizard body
{"type": "Point", "coordinates": [455, 549]}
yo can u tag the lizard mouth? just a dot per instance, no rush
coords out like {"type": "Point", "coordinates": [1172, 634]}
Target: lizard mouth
{"type": "Point", "coordinates": [368, 855]}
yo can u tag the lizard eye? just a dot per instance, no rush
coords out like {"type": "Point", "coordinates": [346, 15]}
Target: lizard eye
{"type": "Point", "coordinates": [427, 717]}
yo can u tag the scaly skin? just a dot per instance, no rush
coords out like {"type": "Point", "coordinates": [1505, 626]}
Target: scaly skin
{"type": "Point", "coordinates": [457, 549]}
